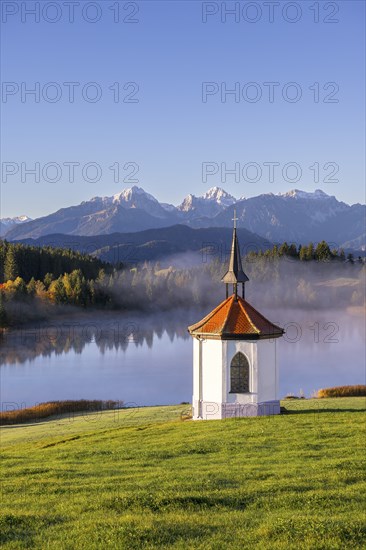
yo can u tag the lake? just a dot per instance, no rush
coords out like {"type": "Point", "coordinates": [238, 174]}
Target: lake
{"type": "Point", "coordinates": [147, 360]}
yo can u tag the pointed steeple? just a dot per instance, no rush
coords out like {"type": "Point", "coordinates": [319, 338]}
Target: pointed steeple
{"type": "Point", "coordinates": [235, 273]}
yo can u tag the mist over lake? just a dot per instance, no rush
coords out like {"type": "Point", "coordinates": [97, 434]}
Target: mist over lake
{"type": "Point", "coordinates": [147, 359]}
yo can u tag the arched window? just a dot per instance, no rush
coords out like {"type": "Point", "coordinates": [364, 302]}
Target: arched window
{"type": "Point", "coordinates": [239, 374]}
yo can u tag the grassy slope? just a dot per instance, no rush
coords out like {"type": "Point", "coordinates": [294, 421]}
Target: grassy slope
{"type": "Point", "coordinates": [146, 479]}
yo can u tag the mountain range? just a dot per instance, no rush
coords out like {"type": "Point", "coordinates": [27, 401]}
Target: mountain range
{"type": "Point", "coordinates": [188, 246]}
{"type": "Point", "coordinates": [296, 216]}
{"type": "Point", "coordinates": [7, 223]}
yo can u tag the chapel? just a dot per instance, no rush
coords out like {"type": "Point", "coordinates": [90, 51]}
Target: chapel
{"type": "Point", "coordinates": [235, 356]}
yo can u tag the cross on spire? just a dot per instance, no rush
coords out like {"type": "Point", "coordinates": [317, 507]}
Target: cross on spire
{"type": "Point", "coordinates": [235, 273]}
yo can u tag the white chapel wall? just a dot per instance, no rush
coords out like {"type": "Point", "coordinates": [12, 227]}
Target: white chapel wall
{"type": "Point", "coordinates": [268, 371]}
{"type": "Point", "coordinates": [212, 356]}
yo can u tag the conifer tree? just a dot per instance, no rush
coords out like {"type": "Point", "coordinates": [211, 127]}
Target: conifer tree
{"type": "Point", "coordinates": [10, 267]}
{"type": "Point", "coordinates": [31, 287]}
{"type": "Point", "coordinates": [322, 252]}
{"type": "Point", "coordinates": [310, 252]}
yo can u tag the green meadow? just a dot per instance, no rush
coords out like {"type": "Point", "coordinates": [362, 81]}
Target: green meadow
{"type": "Point", "coordinates": [150, 478]}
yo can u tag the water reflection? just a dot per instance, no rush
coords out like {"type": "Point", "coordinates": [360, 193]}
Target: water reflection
{"type": "Point", "coordinates": [148, 359]}
{"type": "Point", "coordinates": [106, 332]}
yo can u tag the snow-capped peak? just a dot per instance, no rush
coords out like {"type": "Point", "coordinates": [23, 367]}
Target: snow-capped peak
{"type": "Point", "coordinates": [131, 193]}
{"type": "Point", "coordinates": [132, 197]}
{"type": "Point", "coordinates": [215, 200]}
{"type": "Point", "coordinates": [219, 195]}
{"type": "Point", "coordinates": [187, 203]}
{"type": "Point", "coordinates": [15, 220]}
{"type": "Point", "coordinates": [298, 194]}
{"type": "Point", "coordinates": [6, 224]}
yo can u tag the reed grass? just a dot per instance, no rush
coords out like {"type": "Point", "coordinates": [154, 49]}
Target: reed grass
{"type": "Point", "coordinates": [55, 408]}
{"type": "Point", "coordinates": [343, 391]}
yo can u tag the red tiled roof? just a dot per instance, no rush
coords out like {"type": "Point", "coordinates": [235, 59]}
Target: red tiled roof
{"type": "Point", "coordinates": [235, 319]}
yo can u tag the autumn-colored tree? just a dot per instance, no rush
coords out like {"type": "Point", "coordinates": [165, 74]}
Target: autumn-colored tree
{"type": "Point", "coordinates": [48, 278]}
{"type": "Point", "coordinates": [57, 291]}
{"type": "Point", "coordinates": [41, 291]}
{"type": "Point", "coordinates": [31, 287]}
{"type": "Point", "coordinates": [21, 287]}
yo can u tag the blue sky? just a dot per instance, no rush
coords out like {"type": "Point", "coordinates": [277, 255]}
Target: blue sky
{"type": "Point", "coordinates": [169, 132]}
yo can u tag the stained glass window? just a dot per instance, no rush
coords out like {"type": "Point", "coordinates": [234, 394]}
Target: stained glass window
{"type": "Point", "coordinates": [239, 374]}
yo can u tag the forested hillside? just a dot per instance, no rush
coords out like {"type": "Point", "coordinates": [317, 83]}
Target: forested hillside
{"type": "Point", "coordinates": [38, 283]}
{"type": "Point", "coordinates": [27, 262]}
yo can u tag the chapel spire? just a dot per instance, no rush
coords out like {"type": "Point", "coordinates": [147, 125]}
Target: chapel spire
{"type": "Point", "coordinates": [235, 273]}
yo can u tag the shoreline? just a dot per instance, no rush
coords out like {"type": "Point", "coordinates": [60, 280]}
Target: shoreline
{"type": "Point", "coordinates": [115, 410]}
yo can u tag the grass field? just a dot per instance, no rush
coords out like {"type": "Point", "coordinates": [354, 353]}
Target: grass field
{"type": "Point", "coordinates": [135, 479]}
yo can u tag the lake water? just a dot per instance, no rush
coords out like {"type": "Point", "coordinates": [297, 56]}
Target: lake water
{"type": "Point", "coordinates": [147, 360]}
